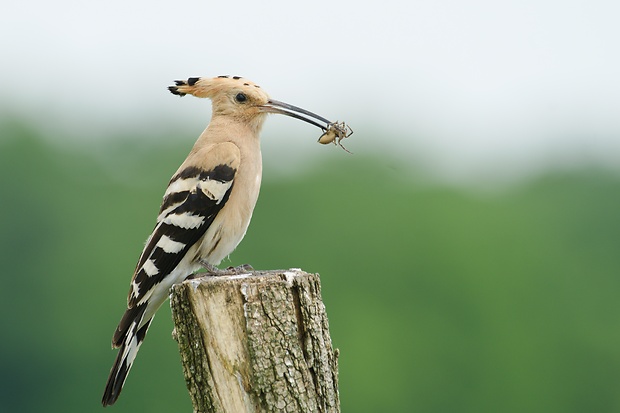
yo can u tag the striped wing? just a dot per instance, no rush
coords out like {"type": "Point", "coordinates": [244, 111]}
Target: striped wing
{"type": "Point", "coordinates": [194, 197]}
{"type": "Point", "coordinates": [192, 200]}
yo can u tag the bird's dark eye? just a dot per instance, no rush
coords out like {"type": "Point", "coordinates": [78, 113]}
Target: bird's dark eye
{"type": "Point", "coordinates": [241, 97]}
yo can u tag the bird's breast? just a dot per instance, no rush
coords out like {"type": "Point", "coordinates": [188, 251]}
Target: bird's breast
{"type": "Point", "coordinates": [231, 223]}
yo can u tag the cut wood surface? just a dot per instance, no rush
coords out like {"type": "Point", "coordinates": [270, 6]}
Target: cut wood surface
{"type": "Point", "coordinates": [256, 342]}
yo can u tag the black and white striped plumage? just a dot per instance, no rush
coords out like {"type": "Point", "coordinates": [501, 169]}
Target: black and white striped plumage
{"type": "Point", "coordinates": [206, 208]}
{"type": "Point", "coordinates": [192, 201]}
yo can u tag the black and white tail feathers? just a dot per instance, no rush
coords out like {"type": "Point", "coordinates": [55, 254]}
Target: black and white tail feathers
{"type": "Point", "coordinates": [129, 344]}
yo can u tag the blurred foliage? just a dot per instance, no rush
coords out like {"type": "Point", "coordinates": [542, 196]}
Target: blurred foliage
{"type": "Point", "coordinates": [440, 299]}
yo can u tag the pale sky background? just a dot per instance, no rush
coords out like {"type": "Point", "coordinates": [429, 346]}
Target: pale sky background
{"type": "Point", "coordinates": [467, 88]}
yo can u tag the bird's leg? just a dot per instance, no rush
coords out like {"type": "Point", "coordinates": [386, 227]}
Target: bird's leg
{"type": "Point", "coordinates": [212, 269]}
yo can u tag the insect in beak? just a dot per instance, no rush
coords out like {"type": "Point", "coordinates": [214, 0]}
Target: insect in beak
{"type": "Point", "coordinates": [336, 132]}
{"type": "Point", "coordinates": [332, 131]}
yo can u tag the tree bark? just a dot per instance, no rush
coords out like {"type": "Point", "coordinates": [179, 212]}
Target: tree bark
{"type": "Point", "coordinates": [257, 342]}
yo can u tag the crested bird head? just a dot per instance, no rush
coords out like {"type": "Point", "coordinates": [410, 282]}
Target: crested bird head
{"type": "Point", "coordinates": [243, 100]}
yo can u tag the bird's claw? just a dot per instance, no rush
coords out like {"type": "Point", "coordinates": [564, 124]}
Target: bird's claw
{"type": "Point", "coordinates": [241, 269]}
{"type": "Point", "coordinates": [212, 270]}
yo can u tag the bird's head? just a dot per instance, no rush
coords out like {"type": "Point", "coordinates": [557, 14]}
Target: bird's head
{"type": "Point", "coordinates": [242, 100]}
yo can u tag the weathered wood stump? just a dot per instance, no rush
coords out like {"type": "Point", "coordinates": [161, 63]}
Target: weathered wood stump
{"type": "Point", "coordinates": [257, 342]}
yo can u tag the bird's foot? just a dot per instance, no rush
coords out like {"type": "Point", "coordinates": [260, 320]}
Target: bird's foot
{"type": "Point", "coordinates": [214, 271]}
{"type": "Point", "coordinates": [241, 269]}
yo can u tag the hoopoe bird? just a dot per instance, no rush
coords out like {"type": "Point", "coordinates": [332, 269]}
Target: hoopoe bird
{"type": "Point", "coordinates": [206, 208]}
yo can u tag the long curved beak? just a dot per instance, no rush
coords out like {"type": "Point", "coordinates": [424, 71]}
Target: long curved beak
{"type": "Point", "coordinates": [274, 106]}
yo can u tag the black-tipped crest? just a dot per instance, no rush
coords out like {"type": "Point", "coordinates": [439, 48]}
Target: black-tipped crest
{"type": "Point", "coordinates": [175, 90]}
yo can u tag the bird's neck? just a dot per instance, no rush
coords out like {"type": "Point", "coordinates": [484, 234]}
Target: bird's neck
{"type": "Point", "coordinates": [227, 129]}
{"type": "Point", "coordinates": [227, 125]}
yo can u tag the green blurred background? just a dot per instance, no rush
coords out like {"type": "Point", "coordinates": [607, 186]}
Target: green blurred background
{"type": "Point", "coordinates": [468, 250]}
{"type": "Point", "coordinates": [441, 298]}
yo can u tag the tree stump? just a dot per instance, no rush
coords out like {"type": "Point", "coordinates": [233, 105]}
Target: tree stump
{"type": "Point", "coordinates": [256, 342]}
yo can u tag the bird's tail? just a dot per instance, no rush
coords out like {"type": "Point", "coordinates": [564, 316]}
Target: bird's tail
{"type": "Point", "coordinates": [133, 336]}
